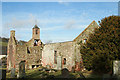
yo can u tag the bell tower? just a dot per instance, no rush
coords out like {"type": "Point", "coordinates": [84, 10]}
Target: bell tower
{"type": "Point", "coordinates": [36, 32]}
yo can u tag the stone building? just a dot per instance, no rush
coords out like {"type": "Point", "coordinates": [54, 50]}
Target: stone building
{"type": "Point", "coordinates": [56, 55]}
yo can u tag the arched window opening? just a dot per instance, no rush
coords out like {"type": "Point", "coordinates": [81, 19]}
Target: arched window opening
{"type": "Point", "coordinates": [64, 61]}
{"type": "Point", "coordinates": [55, 57]}
{"type": "Point", "coordinates": [36, 42]}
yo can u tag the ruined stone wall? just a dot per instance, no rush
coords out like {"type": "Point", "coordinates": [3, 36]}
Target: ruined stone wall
{"type": "Point", "coordinates": [80, 40]}
{"type": "Point", "coordinates": [85, 34]}
{"type": "Point", "coordinates": [30, 43]}
{"type": "Point", "coordinates": [11, 51]}
{"type": "Point", "coordinates": [65, 49]}
{"type": "Point", "coordinates": [35, 55]}
{"type": "Point", "coordinates": [31, 57]}
{"type": "Point", "coordinates": [21, 54]}
{"type": "Point", "coordinates": [45, 54]}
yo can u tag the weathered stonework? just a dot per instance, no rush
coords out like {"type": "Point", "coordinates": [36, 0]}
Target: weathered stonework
{"type": "Point", "coordinates": [11, 51]}
{"type": "Point", "coordinates": [65, 50]}
{"type": "Point", "coordinates": [56, 55]}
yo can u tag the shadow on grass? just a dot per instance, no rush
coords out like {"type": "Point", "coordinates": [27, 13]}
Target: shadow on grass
{"type": "Point", "coordinates": [65, 74]}
{"type": "Point", "coordinates": [98, 76]}
{"type": "Point", "coordinates": [36, 74]}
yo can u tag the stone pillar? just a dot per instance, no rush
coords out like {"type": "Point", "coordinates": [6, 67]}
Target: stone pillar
{"type": "Point", "coordinates": [21, 72]}
{"type": "Point", "coordinates": [59, 62]}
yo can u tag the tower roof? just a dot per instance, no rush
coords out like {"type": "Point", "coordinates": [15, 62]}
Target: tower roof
{"type": "Point", "coordinates": [35, 26]}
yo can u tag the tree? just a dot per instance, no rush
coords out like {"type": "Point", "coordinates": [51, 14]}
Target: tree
{"type": "Point", "coordinates": [103, 46]}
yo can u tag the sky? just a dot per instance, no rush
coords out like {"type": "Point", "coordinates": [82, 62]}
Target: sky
{"type": "Point", "coordinates": [58, 21]}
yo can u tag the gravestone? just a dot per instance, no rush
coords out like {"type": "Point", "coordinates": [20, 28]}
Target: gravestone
{"type": "Point", "coordinates": [21, 72]}
{"type": "Point", "coordinates": [65, 73]}
{"type": "Point", "coordinates": [48, 66]}
{"type": "Point", "coordinates": [73, 69]}
{"type": "Point", "coordinates": [116, 68]}
{"type": "Point", "coordinates": [59, 62]}
{"type": "Point", "coordinates": [13, 72]}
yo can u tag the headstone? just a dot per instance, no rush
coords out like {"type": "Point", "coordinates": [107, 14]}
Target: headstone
{"type": "Point", "coordinates": [65, 73]}
{"type": "Point", "coordinates": [116, 67]}
{"type": "Point", "coordinates": [21, 72]}
{"type": "Point", "coordinates": [13, 72]}
{"type": "Point", "coordinates": [73, 69]}
{"type": "Point", "coordinates": [48, 66]}
{"type": "Point", "coordinates": [59, 62]}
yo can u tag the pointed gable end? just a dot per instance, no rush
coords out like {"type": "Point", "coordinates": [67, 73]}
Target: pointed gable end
{"type": "Point", "coordinates": [84, 34]}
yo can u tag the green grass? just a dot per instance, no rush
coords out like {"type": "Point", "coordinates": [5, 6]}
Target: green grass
{"type": "Point", "coordinates": [3, 43]}
{"type": "Point", "coordinates": [35, 73]}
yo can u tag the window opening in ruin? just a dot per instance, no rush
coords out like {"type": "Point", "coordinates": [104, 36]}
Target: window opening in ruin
{"type": "Point", "coordinates": [37, 65]}
{"type": "Point", "coordinates": [28, 51]}
{"type": "Point", "coordinates": [85, 40]}
{"type": "Point", "coordinates": [64, 61]}
{"type": "Point", "coordinates": [33, 66]}
{"type": "Point", "coordinates": [36, 31]}
{"type": "Point", "coordinates": [55, 57]}
{"type": "Point", "coordinates": [35, 42]}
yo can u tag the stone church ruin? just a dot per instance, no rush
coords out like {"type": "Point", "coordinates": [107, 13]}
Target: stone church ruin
{"type": "Point", "coordinates": [57, 55]}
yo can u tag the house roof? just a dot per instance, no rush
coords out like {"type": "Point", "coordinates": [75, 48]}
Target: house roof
{"type": "Point", "coordinates": [93, 22]}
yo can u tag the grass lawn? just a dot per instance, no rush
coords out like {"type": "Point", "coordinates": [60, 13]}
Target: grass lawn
{"type": "Point", "coordinates": [35, 73]}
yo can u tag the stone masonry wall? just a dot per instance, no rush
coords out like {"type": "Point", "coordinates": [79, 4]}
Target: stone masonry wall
{"type": "Point", "coordinates": [64, 49]}
{"type": "Point", "coordinates": [32, 58]}
{"type": "Point", "coordinates": [86, 32]}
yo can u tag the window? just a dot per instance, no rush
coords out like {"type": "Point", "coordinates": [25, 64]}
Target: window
{"type": "Point", "coordinates": [55, 57]}
{"type": "Point", "coordinates": [64, 61]}
{"type": "Point", "coordinates": [36, 31]}
{"type": "Point", "coordinates": [35, 42]}
{"type": "Point", "coordinates": [28, 51]}
{"type": "Point", "coordinates": [85, 40]}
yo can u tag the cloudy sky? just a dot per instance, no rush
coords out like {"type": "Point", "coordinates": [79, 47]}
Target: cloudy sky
{"type": "Point", "coordinates": [58, 21]}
